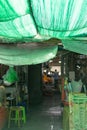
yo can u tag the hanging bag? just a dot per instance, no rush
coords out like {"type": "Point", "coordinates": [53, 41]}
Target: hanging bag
{"type": "Point", "coordinates": [10, 77]}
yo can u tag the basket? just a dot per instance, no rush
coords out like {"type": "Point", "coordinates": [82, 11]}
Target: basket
{"type": "Point", "coordinates": [77, 111]}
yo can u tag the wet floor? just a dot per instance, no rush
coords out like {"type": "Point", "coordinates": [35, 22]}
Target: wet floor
{"type": "Point", "coordinates": [45, 116]}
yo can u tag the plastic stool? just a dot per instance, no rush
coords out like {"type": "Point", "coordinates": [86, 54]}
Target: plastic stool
{"type": "Point", "coordinates": [17, 113]}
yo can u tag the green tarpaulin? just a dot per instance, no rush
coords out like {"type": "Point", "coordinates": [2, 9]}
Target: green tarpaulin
{"type": "Point", "coordinates": [78, 46]}
{"type": "Point", "coordinates": [38, 20]}
{"type": "Point", "coordinates": [26, 54]}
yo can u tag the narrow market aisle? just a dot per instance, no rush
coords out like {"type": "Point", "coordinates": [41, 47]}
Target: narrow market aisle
{"type": "Point", "coordinates": [45, 116]}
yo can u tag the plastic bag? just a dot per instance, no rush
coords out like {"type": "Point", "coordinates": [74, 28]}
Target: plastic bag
{"type": "Point", "coordinates": [10, 76]}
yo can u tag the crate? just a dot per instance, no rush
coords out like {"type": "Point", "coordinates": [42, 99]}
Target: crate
{"type": "Point", "coordinates": [77, 111]}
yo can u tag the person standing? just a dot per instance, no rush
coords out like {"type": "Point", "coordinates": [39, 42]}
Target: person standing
{"type": "Point", "coordinates": [56, 78]}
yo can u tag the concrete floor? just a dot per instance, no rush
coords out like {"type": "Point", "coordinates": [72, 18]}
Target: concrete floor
{"type": "Point", "coordinates": [45, 116]}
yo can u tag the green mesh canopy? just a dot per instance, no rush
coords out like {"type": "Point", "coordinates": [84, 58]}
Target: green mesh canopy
{"type": "Point", "coordinates": [39, 20]}
{"type": "Point", "coordinates": [76, 46]}
{"type": "Point", "coordinates": [26, 55]}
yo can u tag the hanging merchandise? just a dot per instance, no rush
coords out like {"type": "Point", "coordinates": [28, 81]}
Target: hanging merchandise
{"type": "Point", "coordinates": [10, 77]}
